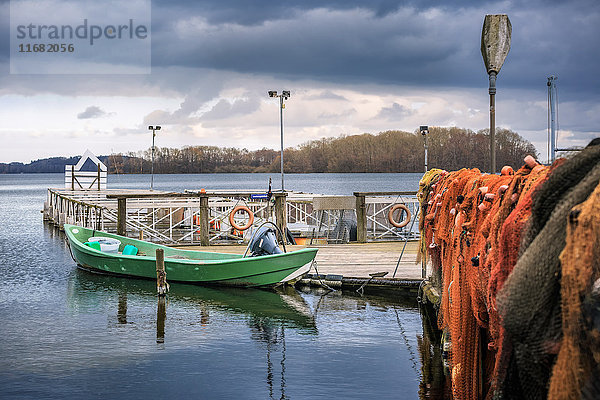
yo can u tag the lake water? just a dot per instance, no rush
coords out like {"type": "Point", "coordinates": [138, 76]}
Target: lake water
{"type": "Point", "coordinates": [67, 333]}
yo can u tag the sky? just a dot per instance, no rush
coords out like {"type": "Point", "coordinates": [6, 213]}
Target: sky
{"type": "Point", "coordinates": [351, 66]}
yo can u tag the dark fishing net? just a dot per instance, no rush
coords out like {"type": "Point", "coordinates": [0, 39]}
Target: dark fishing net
{"type": "Point", "coordinates": [529, 303]}
{"type": "Point", "coordinates": [563, 178]}
{"type": "Point", "coordinates": [579, 354]}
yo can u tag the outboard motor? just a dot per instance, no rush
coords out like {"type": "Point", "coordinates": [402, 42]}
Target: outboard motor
{"type": "Point", "coordinates": [264, 243]}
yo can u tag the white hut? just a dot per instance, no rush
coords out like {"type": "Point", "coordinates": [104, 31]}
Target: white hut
{"type": "Point", "coordinates": [88, 173]}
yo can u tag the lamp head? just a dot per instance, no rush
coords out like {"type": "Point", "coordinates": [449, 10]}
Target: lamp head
{"type": "Point", "coordinates": [424, 129]}
{"type": "Point", "coordinates": [285, 94]}
{"type": "Point", "coordinates": [272, 93]}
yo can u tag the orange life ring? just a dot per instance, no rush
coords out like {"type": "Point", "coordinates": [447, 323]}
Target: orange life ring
{"type": "Point", "coordinates": [250, 218]}
{"type": "Point", "coordinates": [391, 215]}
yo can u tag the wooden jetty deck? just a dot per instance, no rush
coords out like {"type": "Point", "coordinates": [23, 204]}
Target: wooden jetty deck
{"type": "Point", "coordinates": [353, 260]}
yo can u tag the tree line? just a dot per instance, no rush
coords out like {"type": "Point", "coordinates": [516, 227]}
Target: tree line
{"type": "Point", "coordinates": [389, 151]}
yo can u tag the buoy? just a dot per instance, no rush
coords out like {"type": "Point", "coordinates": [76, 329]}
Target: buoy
{"type": "Point", "coordinates": [530, 161]}
{"type": "Point", "coordinates": [507, 170]}
{"type": "Point", "coordinates": [403, 223]}
{"type": "Point", "coordinates": [250, 218]}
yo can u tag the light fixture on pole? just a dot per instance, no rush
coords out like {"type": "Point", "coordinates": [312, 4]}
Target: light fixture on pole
{"type": "Point", "coordinates": [495, 45]}
{"type": "Point", "coordinates": [424, 129]}
{"type": "Point", "coordinates": [153, 129]}
{"type": "Point", "coordinates": [283, 96]}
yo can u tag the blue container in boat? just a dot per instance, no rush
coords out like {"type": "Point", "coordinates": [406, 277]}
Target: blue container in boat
{"type": "Point", "coordinates": [130, 250]}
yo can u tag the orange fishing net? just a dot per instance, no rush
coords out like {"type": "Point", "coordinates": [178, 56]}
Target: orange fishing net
{"type": "Point", "coordinates": [477, 230]}
{"type": "Point", "coordinates": [459, 230]}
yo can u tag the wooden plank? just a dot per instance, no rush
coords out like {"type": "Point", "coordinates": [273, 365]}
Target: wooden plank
{"type": "Point", "coordinates": [354, 259]}
{"type": "Point", "coordinates": [385, 193]}
{"type": "Point", "coordinates": [86, 173]}
{"type": "Point", "coordinates": [334, 203]}
{"type": "Point", "coordinates": [143, 195]}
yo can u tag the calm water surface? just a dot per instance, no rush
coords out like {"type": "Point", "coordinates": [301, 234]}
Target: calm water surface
{"type": "Point", "coordinates": [67, 333]}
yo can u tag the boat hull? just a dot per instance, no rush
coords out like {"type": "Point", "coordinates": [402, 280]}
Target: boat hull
{"type": "Point", "coordinates": [187, 265]}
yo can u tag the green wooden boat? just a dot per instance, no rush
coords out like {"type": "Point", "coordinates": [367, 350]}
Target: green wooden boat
{"type": "Point", "coordinates": [183, 265]}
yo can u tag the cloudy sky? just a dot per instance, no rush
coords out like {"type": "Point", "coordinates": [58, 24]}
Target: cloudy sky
{"type": "Point", "coordinates": [351, 66]}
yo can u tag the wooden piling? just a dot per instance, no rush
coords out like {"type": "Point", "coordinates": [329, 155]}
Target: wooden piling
{"type": "Point", "coordinates": [280, 211]}
{"type": "Point", "coordinates": [162, 287]}
{"type": "Point", "coordinates": [204, 234]}
{"type": "Point", "coordinates": [121, 216]}
{"type": "Point", "coordinates": [361, 218]}
{"type": "Point", "coordinates": [62, 218]}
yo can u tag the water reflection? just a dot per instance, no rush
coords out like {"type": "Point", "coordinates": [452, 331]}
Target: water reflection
{"type": "Point", "coordinates": [161, 315]}
{"type": "Point", "coordinates": [434, 383]}
{"type": "Point", "coordinates": [268, 316]}
{"type": "Point", "coordinates": [122, 309]}
{"type": "Point", "coordinates": [87, 291]}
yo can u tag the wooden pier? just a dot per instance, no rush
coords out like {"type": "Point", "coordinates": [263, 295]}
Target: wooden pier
{"type": "Point", "coordinates": [353, 233]}
{"type": "Point", "coordinates": [202, 217]}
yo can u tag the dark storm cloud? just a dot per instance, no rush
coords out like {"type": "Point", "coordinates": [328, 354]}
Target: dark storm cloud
{"type": "Point", "coordinates": [409, 43]}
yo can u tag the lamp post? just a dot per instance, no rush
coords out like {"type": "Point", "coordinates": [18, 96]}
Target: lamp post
{"type": "Point", "coordinates": [552, 117]}
{"type": "Point", "coordinates": [153, 129]}
{"type": "Point", "coordinates": [424, 129]}
{"type": "Point", "coordinates": [495, 45]}
{"type": "Point", "coordinates": [283, 96]}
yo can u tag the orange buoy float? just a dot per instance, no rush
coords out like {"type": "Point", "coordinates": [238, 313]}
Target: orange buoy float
{"type": "Point", "coordinates": [507, 171]}
{"type": "Point", "coordinates": [250, 218]}
{"type": "Point", "coordinates": [403, 223]}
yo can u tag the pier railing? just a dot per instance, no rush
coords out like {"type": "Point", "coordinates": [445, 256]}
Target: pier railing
{"type": "Point", "coordinates": [204, 217]}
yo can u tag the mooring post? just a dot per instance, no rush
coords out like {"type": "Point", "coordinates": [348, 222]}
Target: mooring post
{"type": "Point", "coordinates": [280, 211]}
{"type": "Point", "coordinates": [121, 216]}
{"type": "Point", "coordinates": [72, 177]}
{"type": "Point", "coordinates": [162, 287]}
{"type": "Point", "coordinates": [361, 218]}
{"type": "Point", "coordinates": [204, 234]}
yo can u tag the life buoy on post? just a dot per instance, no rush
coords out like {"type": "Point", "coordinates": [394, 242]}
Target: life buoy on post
{"type": "Point", "coordinates": [403, 223]}
{"type": "Point", "coordinates": [250, 218]}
